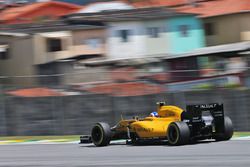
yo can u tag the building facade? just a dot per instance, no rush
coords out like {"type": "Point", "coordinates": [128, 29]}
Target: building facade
{"type": "Point", "coordinates": [154, 37]}
{"type": "Point", "coordinates": [226, 29]}
{"type": "Point", "coordinates": [42, 51]}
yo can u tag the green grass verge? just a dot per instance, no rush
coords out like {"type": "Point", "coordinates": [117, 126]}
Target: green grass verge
{"type": "Point", "coordinates": [241, 134]}
{"type": "Point", "coordinates": [36, 138]}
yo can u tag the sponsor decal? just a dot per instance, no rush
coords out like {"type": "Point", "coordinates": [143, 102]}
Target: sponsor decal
{"type": "Point", "coordinates": [144, 129]}
{"type": "Point", "coordinates": [218, 114]}
{"type": "Point", "coordinates": [207, 106]}
{"type": "Point", "coordinates": [196, 119]}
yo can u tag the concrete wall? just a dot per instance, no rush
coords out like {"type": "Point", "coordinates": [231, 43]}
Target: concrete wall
{"type": "Point", "coordinates": [27, 53]}
{"type": "Point", "coordinates": [73, 73]}
{"type": "Point", "coordinates": [80, 35]}
{"type": "Point", "coordinates": [73, 44]}
{"type": "Point", "coordinates": [134, 47]}
{"type": "Point", "coordinates": [42, 55]}
{"type": "Point", "coordinates": [159, 45]}
{"type": "Point", "coordinates": [194, 38]}
{"type": "Point", "coordinates": [140, 44]}
{"type": "Point", "coordinates": [228, 28]}
{"type": "Point", "coordinates": [77, 114]}
{"type": "Point", "coordinates": [76, 74]}
{"type": "Point", "coordinates": [20, 59]}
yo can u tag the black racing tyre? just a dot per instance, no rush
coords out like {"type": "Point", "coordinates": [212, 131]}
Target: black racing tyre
{"type": "Point", "coordinates": [229, 130]}
{"type": "Point", "coordinates": [134, 139]}
{"type": "Point", "coordinates": [178, 133]}
{"type": "Point", "coordinates": [101, 134]}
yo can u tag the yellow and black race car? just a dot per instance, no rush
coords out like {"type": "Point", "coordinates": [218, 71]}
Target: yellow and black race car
{"type": "Point", "coordinates": [173, 124]}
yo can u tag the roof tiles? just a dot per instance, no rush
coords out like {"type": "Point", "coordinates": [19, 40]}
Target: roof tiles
{"type": "Point", "coordinates": [217, 7]}
{"type": "Point", "coordinates": [35, 92]}
{"type": "Point", "coordinates": [150, 3]}
{"type": "Point", "coordinates": [126, 89]}
{"type": "Point", "coordinates": [205, 8]}
{"type": "Point", "coordinates": [17, 12]}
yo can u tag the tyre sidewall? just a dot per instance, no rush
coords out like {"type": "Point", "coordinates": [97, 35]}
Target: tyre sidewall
{"type": "Point", "coordinates": [105, 134]}
{"type": "Point", "coordinates": [228, 131]}
{"type": "Point", "coordinates": [183, 133]}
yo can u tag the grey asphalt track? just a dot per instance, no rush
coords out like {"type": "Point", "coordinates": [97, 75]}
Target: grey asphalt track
{"type": "Point", "coordinates": [208, 154]}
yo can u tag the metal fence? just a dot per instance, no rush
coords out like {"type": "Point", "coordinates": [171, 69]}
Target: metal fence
{"type": "Point", "coordinates": [69, 109]}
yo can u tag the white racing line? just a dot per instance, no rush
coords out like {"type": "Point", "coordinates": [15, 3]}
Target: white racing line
{"type": "Point", "coordinates": [2, 142]}
{"type": "Point", "coordinates": [6, 142]}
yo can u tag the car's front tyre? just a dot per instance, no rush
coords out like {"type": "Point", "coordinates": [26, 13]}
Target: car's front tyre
{"type": "Point", "coordinates": [101, 134]}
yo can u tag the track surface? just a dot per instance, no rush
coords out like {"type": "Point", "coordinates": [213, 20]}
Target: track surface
{"type": "Point", "coordinates": [209, 154]}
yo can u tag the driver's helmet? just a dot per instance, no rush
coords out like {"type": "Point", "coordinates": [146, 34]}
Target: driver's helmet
{"type": "Point", "coordinates": [154, 114]}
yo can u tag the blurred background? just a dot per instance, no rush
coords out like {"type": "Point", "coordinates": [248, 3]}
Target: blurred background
{"type": "Point", "coordinates": [65, 65]}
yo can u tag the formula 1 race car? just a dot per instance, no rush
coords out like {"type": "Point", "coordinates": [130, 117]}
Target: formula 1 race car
{"type": "Point", "coordinates": [173, 124]}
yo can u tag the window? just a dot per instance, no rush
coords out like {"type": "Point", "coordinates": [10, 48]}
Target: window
{"type": "Point", "coordinates": [54, 44]}
{"type": "Point", "coordinates": [94, 43]}
{"type": "Point", "coordinates": [4, 52]}
{"type": "Point", "coordinates": [155, 68]}
{"type": "Point", "coordinates": [209, 29]}
{"type": "Point", "coordinates": [184, 30]}
{"type": "Point", "coordinates": [124, 34]}
{"type": "Point", "coordinates": [153, 32]}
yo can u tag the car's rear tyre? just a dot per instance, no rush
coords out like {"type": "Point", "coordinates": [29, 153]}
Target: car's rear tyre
{"type": "Point", "coordinates": [228, 133]}
{"type": "Point", "coordinates": [178, 133]}
{"type": "Point", "coordinates": [101, 134]}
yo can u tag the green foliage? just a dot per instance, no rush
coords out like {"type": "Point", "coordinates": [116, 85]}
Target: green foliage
{"type": "Point", "coordinates": [232, 85]}
{"type": "Point", "coordinates": [205, 86]}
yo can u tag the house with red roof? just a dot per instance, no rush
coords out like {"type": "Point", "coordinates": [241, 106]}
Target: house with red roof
{"type": "Point", "coordinates": [224, 21]}
{"type": "Point", "coordinates": [36, 12]}
{"type": "Point", "coordinates": [48, 49]}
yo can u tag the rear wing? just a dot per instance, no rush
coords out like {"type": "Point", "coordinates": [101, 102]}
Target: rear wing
{"type": "Point", "coordinates": [194, 115]}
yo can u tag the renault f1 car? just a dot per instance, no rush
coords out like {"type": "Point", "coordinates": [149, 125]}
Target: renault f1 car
{"type": "Point", "coordinates": [173, 124]}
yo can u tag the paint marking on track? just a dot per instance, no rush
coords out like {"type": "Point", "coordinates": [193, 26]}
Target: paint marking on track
{"type": "Point", "coordinates": [14, 142]}
{"type": "Point", "coordinates": [65, 141]}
